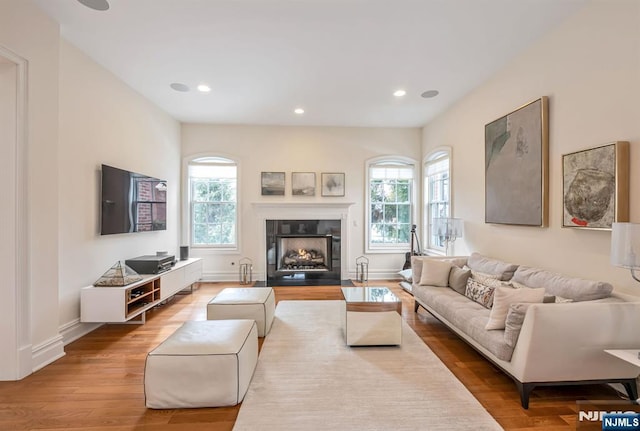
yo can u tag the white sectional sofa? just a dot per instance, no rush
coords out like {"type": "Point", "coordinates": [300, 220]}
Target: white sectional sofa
{"type": "Point", "coordinates": [541, 343]}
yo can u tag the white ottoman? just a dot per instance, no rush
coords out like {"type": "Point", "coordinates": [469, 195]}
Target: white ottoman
{"type": "Point", "coordinates": [202, 364]}
{"type": "Point", "coordinates": [257, 303]}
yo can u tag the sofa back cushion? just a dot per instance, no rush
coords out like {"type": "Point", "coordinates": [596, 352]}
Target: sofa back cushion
{"type": "Point", "coordinates": [572, 288]}
{"type": "Point", "coordinates": [480, 263]}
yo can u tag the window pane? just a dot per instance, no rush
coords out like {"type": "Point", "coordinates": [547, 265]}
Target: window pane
{"type": "Point", "coordinates": [389, 191]}
{"type": "Point", "coordinates": [404, 233]}
{"type": "Point", "coordinates": [200, 190]}
{"type": "Point", "coordinates": [390, 213]}
{"type": "Point", "coordinates": [200, 213]}
{"type": "Point", "coordinates": [403, 191]}
{"type": "Point", "coordinates": [404, 213]}
{"type": "Point", "coordinates": [377, 191]}
{"type": "Point", "coordinates": [376, 213]}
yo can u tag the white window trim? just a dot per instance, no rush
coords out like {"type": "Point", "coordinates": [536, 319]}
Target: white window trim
{"type": "Point", "coordinates": [400, 248]}
{"type": "Point", "coordinates": [185, 231]}
{"type": "Point", "coordinates": [434, 154]}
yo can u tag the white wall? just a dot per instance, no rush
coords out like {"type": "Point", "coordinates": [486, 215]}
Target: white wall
{"type": "Point", "coordinates": [40, 49]}
{"type": "Point", "coordinates": [298, 149]}
{"type": "Point", "coordinates": [590, 69]}
{"type": "Point", "coordinates": [102, 120]}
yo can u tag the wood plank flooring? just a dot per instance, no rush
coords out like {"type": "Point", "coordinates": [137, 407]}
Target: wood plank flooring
{"type": "Point", "coordinates": [98, 384]}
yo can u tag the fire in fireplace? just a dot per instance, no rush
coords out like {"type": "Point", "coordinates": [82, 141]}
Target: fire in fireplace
{"type": "Point", "coordinates": [304, 253]}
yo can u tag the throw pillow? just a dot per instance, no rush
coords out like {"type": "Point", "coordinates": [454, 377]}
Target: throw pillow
{"type": "Point", "coordinates": [435, 272]}
{"type": "Point", "coordinates": [503, 297]}
{"type": "Point", "coordinates": [406, 274]}
{"type": "Point", "coordinates": [513, 322]}
{"type": "Point", "coordinates": [483, 277]}
{"type": "Point", "coordinates": [458, 279]}
{"type": "Point", "coordinates": [479, 292]}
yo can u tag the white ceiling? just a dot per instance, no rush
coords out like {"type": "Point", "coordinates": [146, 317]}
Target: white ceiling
{"type": "Point", "coordinates": [340, 60]}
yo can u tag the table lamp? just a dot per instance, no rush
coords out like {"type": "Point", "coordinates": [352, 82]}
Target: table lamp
{"type": "Point", "coordinates": [448, 230]}
{"type": "Point", "coordinates": [625, 246]}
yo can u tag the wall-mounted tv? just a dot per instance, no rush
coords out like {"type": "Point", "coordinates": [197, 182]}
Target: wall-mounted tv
{"type": "Point", "coordinates": [131, 202]}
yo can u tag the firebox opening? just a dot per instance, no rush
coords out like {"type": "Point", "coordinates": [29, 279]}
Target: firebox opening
{"type": "Point", "coordinates": [304, 253]}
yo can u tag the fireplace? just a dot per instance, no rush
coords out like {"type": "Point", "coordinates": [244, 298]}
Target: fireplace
{"type": "Point", "coordinates": [303, 252]}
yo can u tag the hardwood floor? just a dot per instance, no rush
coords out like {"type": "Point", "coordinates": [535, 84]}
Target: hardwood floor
{"type": "Point", "coordinates": [98, 384]}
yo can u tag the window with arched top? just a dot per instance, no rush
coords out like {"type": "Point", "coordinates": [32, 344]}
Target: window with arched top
{"type": "Point", "coordinates": [390, 207]}
{"type": "Point", "coordinates": [437, 193]}
{"type": "Point", "coordinates": [213, 202]}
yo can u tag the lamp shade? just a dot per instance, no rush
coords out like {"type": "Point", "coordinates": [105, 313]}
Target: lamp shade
{"type": "Point", "coordinates": [450, 228]}
{"type": "Point", "coordinates": [625, 245]}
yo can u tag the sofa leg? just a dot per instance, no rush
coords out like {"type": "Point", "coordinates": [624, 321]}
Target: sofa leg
{"type": "Point", "coordinates": [415, 306]}
{"type": "Point", "coordinates": [632, 389]}
{"type": "Point", "coordinates": [525, 390]}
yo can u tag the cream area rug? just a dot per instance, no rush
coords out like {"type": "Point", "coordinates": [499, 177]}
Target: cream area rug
{"type": "Point", "coordinates": [307, 378]}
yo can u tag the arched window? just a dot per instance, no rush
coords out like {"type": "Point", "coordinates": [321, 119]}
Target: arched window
{"type": "Point", "coordinates": [437, 193]}
{"type": "Point", "coordinates": [390, 208]}
{"type": "Point", "coordinates": [213, 202]}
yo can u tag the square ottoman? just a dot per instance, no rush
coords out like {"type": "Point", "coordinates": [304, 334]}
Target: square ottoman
{"type": "Point", "coordinates": [202, 364]}
{"type": "Point", "coordinates": [257, 303]}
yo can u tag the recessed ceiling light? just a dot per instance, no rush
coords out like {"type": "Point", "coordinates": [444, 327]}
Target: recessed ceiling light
{"type": "Point", "coordinates": [100, 5]}
{"type": "Point", "coordinates": [179, 87]}
{"type": "Point", "coordinates": [204, 88]}
{"type": "Point", "coordinates": [429, 94]}
{"type": "Point", "coordinates": [299, 111]}
{"type": "Point", "coordinates": [399, 93]}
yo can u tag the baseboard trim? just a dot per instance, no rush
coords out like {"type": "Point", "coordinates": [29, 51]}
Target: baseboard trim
{"type": "Point", "coordinates": [228, 277]}
{"type": "Point", "coordinates": [45, 353]}
{"type": "Point", "coordinates": [75, 330]}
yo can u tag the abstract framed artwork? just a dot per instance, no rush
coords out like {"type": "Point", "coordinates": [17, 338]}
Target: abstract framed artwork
{"type": "Point", "coordinates": [332, 183]}
{"type": "Point", "coordinates": [595, 187]}
{"type": "Point", "coordinates": [272, 183]}
{"type": "Point", "coordinates": [517, 166]}
{"type": "Point", "coordinates": [303, 183]}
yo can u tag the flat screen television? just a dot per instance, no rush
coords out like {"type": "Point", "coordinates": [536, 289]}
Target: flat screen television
{"type": "Point", "coordinates": [131, 202]}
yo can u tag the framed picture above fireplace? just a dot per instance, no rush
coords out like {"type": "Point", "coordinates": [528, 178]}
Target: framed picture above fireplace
{"type": "Point", "coordinates": [272, 183]}
{"type": "Point", "coordinates": [332, 183]}
{"type": "Point", "coordinates": [303, 183]}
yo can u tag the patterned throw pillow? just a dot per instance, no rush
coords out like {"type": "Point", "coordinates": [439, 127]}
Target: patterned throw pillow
{"type": "Point", "coordinates": [479, 292]}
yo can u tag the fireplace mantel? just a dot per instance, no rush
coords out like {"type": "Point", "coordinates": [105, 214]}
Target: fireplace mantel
{"type": "Point", "coordinates": [305, 211]}
{"type": "Point", "coordinates": [286, 207]}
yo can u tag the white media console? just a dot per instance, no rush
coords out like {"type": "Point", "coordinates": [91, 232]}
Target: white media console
{"type": "Point", "coordinates": [119, 304]}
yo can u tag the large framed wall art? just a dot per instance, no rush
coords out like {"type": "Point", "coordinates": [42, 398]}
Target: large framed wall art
{"type": "Point", "coordinates": [595, 187]}
{"type": "Point", "coordinates": [516, 166]}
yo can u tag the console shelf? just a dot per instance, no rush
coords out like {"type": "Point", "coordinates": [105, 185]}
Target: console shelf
{"type": "Point", "coordinates": [122, 304]}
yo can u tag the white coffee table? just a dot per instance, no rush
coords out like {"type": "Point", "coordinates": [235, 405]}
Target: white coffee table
{"type": "Point", "coordinates": [373, 316]}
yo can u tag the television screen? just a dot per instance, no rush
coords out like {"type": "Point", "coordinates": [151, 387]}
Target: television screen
{"type": "Point", "coordinates": [131, 202]}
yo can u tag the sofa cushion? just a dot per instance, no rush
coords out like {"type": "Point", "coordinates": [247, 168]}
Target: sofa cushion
{"type": "Point", "coordinates": [572, 288]}
{"type": "Point", "coordinates": [435, 272]}
{"type": "Point", "coordinates": [466, 316]}
{"type": "Point", "coordinates": [503, 297]}
{"type": "Point", "coordinates": [478, 262]}
{"type": "Point", "coordinates": [458, 279]}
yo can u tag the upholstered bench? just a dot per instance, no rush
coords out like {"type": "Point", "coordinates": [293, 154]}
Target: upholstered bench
{"type": "Point", "coordinates": [256, 303]}
{"type": "Point", "coordinates": [202, 364]}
